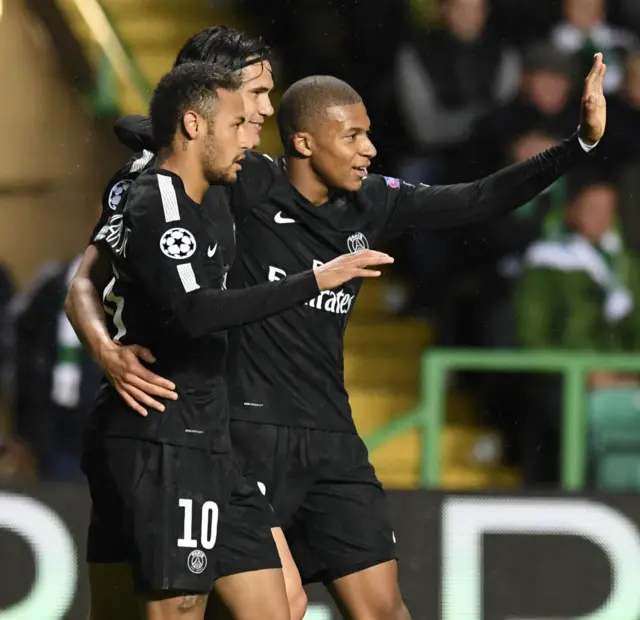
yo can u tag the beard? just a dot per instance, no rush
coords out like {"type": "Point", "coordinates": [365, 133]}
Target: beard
{"type": "Point", "coordinates": [216, 172]}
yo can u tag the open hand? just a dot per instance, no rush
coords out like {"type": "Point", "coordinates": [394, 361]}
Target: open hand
{"type": "Point", "coordinates": [593, 112]}
{"type": "Point", "coordinates": [135, 384]}
{"type": "Point", "coordinates": [349, 266]}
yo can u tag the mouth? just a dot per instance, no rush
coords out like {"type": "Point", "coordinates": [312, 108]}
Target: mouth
{"type": "Point", "coordinates": [257, 125]}
{"type": "Point", "coordinates": [236, 164]}
{"type": "Point", "coordinates": [361, 171]}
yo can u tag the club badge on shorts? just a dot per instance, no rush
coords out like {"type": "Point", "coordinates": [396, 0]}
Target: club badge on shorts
{"type": "Point", "coordinates": [197, 561]}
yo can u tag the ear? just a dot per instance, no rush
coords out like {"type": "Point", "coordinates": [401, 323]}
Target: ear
{"type": "Point", "coordinates": [303, 144]}
{"type": "Point", "coordinates": [191, 124]}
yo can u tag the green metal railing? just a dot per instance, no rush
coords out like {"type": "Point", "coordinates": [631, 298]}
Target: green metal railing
{"type": "Point", "coordinates": [573, 367]}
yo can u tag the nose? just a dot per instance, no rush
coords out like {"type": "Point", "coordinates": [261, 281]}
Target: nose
{"type": "Point", "coordinates": [244, 142]}
{"type": "Point", "coordinates": [368, 149]}
{"type": "Point", "coordinates": [266, 107]}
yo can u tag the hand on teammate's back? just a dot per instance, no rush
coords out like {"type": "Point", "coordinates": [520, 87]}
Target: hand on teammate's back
{"type": "Point", "coordinates": [349, 266]}
{"type": "Point", "coordinates": [136, 384]}
{"type": "Point", "coordinates": [593, 111]}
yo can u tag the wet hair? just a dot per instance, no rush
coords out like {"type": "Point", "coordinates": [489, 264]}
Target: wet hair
{"type": "Point", "coordinates": [226, 48]}
{"type": "Point", "coordinates": [307, 100]}
{"type": "Point", "coordinates": [190, 86]}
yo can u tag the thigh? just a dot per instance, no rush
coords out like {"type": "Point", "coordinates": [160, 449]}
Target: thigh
{"type": "Point", "coordinates": [256, 595]}
{"type": "Point", "coordinates": [174, 605]}
{"type": "Point", "coordinates": [371, 593]}
{"type": "Point", "coordinates": [345, 516]}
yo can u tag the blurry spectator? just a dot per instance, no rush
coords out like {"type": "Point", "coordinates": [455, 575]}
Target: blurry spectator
{"type": "Point", "coordinates": [585, 31]}
{"type": "Point", "coordinates": [54, 382]}
{"type": "Point", "coordinates": [446, 80]}
{"type": "Point", "coordinates": [542, 107]}
{"type": "Point", "coordinates": [579, 291]}
{"type": "Point", "coordinates": [574, 293]}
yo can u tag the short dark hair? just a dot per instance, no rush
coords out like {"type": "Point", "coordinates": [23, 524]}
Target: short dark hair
{"type": "Point", "coordinates": [583, 179]}
{"type": "Point", "coordinates": [226, 48]}
{"type": "Point", "coordinates": [189, 86]}
{"type": "Point", "coordinates": [306, 100]}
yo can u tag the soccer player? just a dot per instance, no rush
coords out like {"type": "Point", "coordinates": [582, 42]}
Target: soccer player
{"type": "Point", "coordinates": [227, 49]}
{"type": "Point", "coordinates": [168, 494]}
{"type": "Point", "coordinates": [291, 417]}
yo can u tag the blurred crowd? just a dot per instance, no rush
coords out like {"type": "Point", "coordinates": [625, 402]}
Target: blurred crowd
{"type": "Point", "coordinates": [456, 89]}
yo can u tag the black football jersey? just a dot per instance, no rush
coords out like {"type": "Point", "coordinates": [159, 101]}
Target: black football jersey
{"type": "Point", "coordinates": [168, 293]}
{"type": "Point", "coordinates": [288, 369]}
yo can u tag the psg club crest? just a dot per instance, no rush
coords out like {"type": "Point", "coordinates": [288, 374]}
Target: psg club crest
{"type": "Point", "coordinates": [118, 193]}
{"type": "Point", "coordinates": [197, 561]}
{"type": "Point", "coordinates": [357, 243]}
{"type": "Point", "coordinates": [392, 183]}
{"type": "Point", "coordinates": [178, 243]}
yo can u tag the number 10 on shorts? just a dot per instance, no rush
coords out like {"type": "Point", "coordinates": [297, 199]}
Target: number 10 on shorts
{"type": "Point", "coordinates": [209, 525]}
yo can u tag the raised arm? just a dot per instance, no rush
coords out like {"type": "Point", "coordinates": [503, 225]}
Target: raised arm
{"type": "Point", "coordinates": [456, 205]}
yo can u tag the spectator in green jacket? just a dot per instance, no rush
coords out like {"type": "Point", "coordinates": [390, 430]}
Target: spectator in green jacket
{"type": "Point", "coordinates": [579, 288]}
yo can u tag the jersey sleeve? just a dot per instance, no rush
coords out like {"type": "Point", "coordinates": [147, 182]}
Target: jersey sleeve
{"type": "Point", "coordinates": [169, 251]}
{"type": "Point", "coordinates": [448, 206]}
{"type": "Point", "coordinates": [115, 194]}
{"type": "Point", "coordinates": [253, 183]}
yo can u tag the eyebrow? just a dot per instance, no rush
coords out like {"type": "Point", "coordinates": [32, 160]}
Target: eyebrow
{"type": "Point", "coordinates": [358, 129]}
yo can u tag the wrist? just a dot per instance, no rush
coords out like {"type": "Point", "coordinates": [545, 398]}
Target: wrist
{"type": "Point", "coordinates": [317, 272]}
{"type": "Point", "coordinates": [101, 347]}
{"type": "Point", "coordinates": [586, 142]}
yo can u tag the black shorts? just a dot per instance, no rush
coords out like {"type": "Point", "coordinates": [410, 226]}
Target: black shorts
{"type": "Point", "coordinates": [325, 493]}
{"type": "Point", "coordinates": [181, 517]}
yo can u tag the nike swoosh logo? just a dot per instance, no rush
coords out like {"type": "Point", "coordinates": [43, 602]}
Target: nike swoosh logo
{"type": "Point", "coordinates": [280, 219]}
{"type": "Point", "coordinates": [212, 251]}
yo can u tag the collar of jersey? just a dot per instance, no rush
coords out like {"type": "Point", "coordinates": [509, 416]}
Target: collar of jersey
{"type": "Point", "coordinates": [178, 184]}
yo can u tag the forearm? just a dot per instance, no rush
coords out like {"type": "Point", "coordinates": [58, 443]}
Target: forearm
{"type": "Point", "coordinates": [495, 195]}
{"type": "Point", "coordinates": [83, 304]}
{"type": "Point", "coordinates": [210, 310]}
{"type": "Point", "coordinates": [86, 315]}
